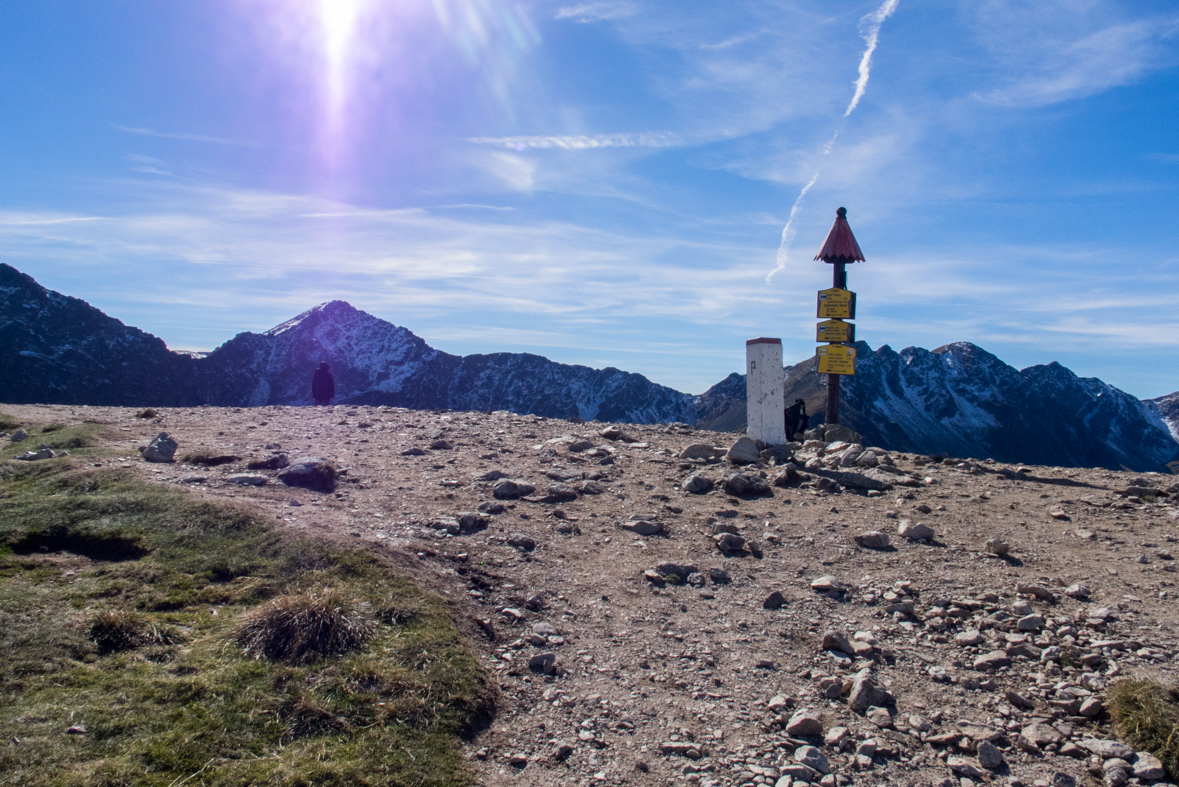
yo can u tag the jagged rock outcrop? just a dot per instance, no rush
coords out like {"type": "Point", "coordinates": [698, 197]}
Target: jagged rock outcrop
{"type": "Point", "coordinates": [960, 400]}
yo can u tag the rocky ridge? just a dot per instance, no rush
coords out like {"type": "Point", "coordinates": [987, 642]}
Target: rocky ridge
{"type": "Point", "coordinates": [841, 615]}
{"type": "Point", "coordinates": [956, 400]}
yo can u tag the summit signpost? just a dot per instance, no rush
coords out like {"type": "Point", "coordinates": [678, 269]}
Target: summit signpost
{"type": "Point", "coordinates": [835, 306]}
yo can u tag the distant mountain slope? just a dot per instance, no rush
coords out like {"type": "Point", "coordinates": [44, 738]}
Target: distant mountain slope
{"type": "Point", "coordinates": [375, 362]}
{"type": "Point", "coordinates": [957, 400]}
{"type": "Point", "coordinates": [960, 400]}
{"type": "Point", "coordinates": [56, 349]}
{"type": "Point", "coordinates": [1168, 409]}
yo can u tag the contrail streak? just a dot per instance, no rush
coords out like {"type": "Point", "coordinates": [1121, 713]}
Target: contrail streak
{"type": "Point", "coordinates": [870, 32]}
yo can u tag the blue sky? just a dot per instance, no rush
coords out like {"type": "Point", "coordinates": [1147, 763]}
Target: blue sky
{"type": "Point", "coordinates": [607, 183]}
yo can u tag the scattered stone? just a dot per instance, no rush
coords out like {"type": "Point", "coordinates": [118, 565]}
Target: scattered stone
{"type": "Point", "coordinates": [19, 436]}
{"type": "Point", "coordinates": [805, 723]}
{"type": "Point", "coordinates": [989, 756]}
{"type": "Point", "coordinates": [879, 716]}
{"type": "Point", "coordinates": [835, 640]}
{"type": "Point", "coordinates": [161, 449]}
{"type": "Point", "coordinates": [506, 489]}
{"type": "Point", "coordinates": [247, 479]}
{"type": "Point", "coordinates": [1107, 749]}
{"type": "Point", "coordinates": [719, 576]}
{"type": "Point", "coordinates": [441, 445]}
{"type": "Point", "coordinates": [874, 539]}
{"type": "Point", "coordinates": [413, 452]}
{"type": "Point", "coordinates": [997, 547]}
{"type": "Point", "coordinates": [1077, 591]}
{"type": "Point", "coordinates": [274, 462]}
{"type": "Point", "coordinates": [590, 487]}
{"type": "Point", "coordinates": [559, 493]}
{"type": "Point", "coordinates": [521, 542]}
{"type": "Point", "coordinates": [318, 475]}
{"type": "Point", "coordinates": [743, 452]}
{"type": "Point", "coordinates": [543, 662]}
{"type": "Point", "coordinates": [787, 477]}
{"type": "Point", "coordinates": [729, 542]}
{"type": "Point", "coordinates": [828, 584]}
{"type": "Point", "coordinates": [964, 767]}
{"type": "Point", "coordinates": [774, 601]}
{"type": "Point", "coordinates": [968, 638]}
{"type": "Point", "coordinates": [812, 757]}
{"type": "Point", "coordinates": [866, 692]}
{"type": "Point", "coordinates": [33, 456]}
{"type": "Point", "coordinates": [994, 660]}
{"type": "Point", "coordinates": [914, 531]}
{"type": "Point", "coordinates": [746, 484]}
{"type": "Point", "coordinates": [643, 527]}
{"type": "Point", "coordinates": [1148, 767]}
{"type": "Point", "coordinates": [700, 451]}
{"type": "Point", "coordinates": [697, 484]}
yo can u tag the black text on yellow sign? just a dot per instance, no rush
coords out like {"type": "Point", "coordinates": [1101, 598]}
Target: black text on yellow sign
{"type": "Point", "coordinates": [837, 359]}
{"type": "Point", "coordinates": [836, 304]}
{"type": "Point", "coordinates": [835, 331]}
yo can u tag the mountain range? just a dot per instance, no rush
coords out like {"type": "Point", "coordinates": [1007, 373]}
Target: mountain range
{"type": "Point", "coordinates": [956, 400]}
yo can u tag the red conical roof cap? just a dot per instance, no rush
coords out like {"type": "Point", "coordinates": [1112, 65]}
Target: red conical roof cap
{"type": "Point", "coordinates": [840, 245]}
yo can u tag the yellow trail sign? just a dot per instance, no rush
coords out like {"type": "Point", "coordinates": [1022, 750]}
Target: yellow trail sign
{"type": "Point", "coordinates": [835, 331]}
{"type": "Point", "coordinates": [836, 304]}
{"type": "Point", "coordinates": [837, 359]}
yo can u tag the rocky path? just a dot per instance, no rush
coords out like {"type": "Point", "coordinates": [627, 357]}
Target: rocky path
{"type": "Point", "coordinates": [820, 646]}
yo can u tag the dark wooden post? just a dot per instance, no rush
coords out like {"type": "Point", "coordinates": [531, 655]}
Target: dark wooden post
{"type": "Point", "coordinates": [838, 251]}
{"type": "Point", "coordinates": [839, 282]}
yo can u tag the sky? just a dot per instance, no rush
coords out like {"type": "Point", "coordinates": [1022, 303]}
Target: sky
{"type": "Point", "coordinates": [627, 183]}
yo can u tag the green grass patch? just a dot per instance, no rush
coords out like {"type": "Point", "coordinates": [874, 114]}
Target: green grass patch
{"type": "Point", "coordinates": [9, 423]}
{"type": "Point", "coordinates": [1145, 714]}
{"type": "Point", "coordinates": [123, 610]}
{"type": "Point", "coordinates": [79, 438]}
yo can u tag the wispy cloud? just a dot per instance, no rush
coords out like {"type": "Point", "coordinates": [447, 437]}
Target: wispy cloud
{"type": "Point", "coordinates": [584, 142]}
{"type": "Point", "coordinates": [595, 12]}
{"type": "Point", "coordinates": [1059, 50]}
{"type": "Point", "coordinates": [736, 40]}
{"type": "Point", "coordinates": [148, 132]}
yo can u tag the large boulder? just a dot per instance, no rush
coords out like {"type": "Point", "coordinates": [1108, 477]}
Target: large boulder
{"type": "Point", "coordinates": [314, 473]}
{"type": "Point", "coordinates": [744, 452]}
{"type": "Point", "coordinates": [161, 449]}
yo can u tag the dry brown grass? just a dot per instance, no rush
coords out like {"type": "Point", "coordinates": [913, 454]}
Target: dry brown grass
{"type": "Point", "coordinates": [298, 629]}
{"type": "Point", "coordinates": [1146, 716]}
{"type": "Point", "coordinates": [116, 630]}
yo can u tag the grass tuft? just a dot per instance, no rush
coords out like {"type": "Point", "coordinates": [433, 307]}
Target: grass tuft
{"type": "Point", "coordinates": [115, 630]}
{"type": "Point", "coordinates": [302, 628]}
{"type": "Point", "coordinates": [1145, 714]}
{"type": "Point", "coordinates": [208, 459]}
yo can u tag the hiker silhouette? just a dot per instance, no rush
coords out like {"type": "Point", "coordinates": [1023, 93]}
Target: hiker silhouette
{"type": "Point", "coordinates": [323, 385]}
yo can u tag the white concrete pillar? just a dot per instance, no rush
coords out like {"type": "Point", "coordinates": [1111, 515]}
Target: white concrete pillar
{"type": "Point", "coordinates": [764, 384]}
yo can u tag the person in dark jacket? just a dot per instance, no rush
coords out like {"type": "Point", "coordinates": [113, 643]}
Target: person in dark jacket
{"type": "Point", "coordinates": [323, 385]}
{"type": "Point", "coordinates": [796, 418]}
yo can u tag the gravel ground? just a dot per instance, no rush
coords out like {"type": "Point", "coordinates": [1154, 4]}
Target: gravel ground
{"type": "Point", "coordinates": [816, 651]}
